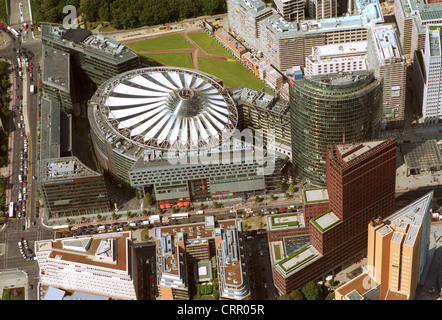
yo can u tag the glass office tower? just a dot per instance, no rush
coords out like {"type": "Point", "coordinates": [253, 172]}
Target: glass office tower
{"type": "Point", "coordinates": [331, 109]}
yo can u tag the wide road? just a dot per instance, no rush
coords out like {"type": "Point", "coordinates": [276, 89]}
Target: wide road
{"type": "Point", "coordinates": [27, 226]}
{"type": "Point", "coordinates": [20, 12]}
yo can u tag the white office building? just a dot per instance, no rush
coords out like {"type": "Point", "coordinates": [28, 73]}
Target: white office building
{"type": "Point", "coordinates": [432, 98]}
{"type": "Point", "coordinates": [340, 57]}
{"type": "Point", "coordinates": [101, 264]}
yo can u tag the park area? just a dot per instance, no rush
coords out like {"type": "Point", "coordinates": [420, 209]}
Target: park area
{"type": "Point", "coordinates": [195, 49]}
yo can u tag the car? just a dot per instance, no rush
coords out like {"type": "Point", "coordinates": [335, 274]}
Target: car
{"type": "Point", "coordinates": [23, 227]}
{"type": "Point", "coordinates": [19, 208]}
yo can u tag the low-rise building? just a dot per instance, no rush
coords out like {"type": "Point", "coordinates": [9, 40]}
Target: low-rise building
{"type": "Point", "coordinates": [103, 264]}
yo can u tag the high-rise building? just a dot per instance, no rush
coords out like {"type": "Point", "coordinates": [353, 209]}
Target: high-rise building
{"type": "Point", "coordinates": [184, 254]}
{"type": "Point", "coordinates": [329, 109]}
{"type": "Point", "coordinates": [386, 60]}
{"type": "Point", "coordinates": [412, 17]}
{"type": "Point", "coordinates": [97, 264]}
{"type": "Point", "coordinates": [244, 17]}
{"type": "Point", "coordinates": [89, 57]}
{"type": "Point", "coordinates": [361, 180]}
{"type": "Point", "coordinates": [360, 185]}
{"type": "Point", "coordinates": [397, 252]}
{"type": "Point", "coordinates": [286, 44]}
{"type": "Point", "coordinates": [69, 188]}
{"type": "Point", "coordinates": [432, 60]}
{"type": "Point", "coordinates": [322, 9]}
{"type": "Point", "coordinates": [291, 10]}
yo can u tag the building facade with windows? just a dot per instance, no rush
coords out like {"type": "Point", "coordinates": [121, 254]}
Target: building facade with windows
{"type": "Point", "coordinates": [329, 109]}
{"type": "Point", "coordinates": [386, 59]}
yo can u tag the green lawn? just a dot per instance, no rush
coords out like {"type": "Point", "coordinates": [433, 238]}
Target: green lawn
{"type": "Point", "coordinates": [210, 45]}
{"type": "Point", "coordinates": [172, 41]}
{"type": "Point", "coordinates": [176, 59]}
{"type": "Point", "coordinates": [233, 73]}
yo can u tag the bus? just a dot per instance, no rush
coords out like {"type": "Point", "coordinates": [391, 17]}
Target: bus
{"type": "Point", "coordinates": [31, 88]}
{"type": "Point", "coordinates": [11, 210]}
{"type": "Point", "coordinates": [14, 32]}
{"type": "Point", "coordinates": [179, 215]}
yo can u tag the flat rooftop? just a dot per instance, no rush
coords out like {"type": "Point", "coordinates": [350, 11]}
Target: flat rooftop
{"type": "Point", "coordinates": [386, 43]}
{"type": "Point", "coordinates": [298, 259]}
{"type": "Point", "coordinates": [57, 169]}
{"type": "Point", "coordinates": [82, 40]}
{"type": "Point", "coordinates": [340, 49]}
{"type": "Point", "coordinates": [315, 195]}
{"type": "Point", "coordinates": [56, 68]}
{"type": "Point", "coordinates": [355, 150]}
{"type": "Point", "coordinates": [357, 287]}
{"type": "Point", "coordinates": [326, 220]}
{"type": "Point", "coordinates": [369, 13]}
{"type": "Point", "coordinates": [89, 250]}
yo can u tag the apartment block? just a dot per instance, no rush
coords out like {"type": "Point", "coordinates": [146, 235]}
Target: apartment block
{"type": "Point", "coordinates": [244, 17]}
{"type": "Point", "coordinates": [291, 10]}
{"type": "Point", "coordinates": [286, 43]}
{"type": "Point", "coordinates": [386, 59]}
{"type": "Point", "coordinates": [190, 251]}
{"type": "Point", "coordinates": [103, 265]}
{"type": "Point", "coordinates": [412, 17]}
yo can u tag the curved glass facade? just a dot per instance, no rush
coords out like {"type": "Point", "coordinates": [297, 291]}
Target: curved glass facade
{"type": "Point", "coordinates": [331, 109]}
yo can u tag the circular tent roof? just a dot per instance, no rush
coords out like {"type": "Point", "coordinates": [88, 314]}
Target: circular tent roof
{"type": "Point", "coordinates": [168, 108]}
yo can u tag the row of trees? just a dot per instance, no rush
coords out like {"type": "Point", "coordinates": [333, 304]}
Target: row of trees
{"type": "Point", "coordinates": [5, 93]}
{"type": "Point", "coordinates": [128, 14]}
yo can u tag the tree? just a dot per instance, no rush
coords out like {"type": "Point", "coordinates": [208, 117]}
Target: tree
{"type": "Point", "coordinates": [311, 290]}
{"type": "Point", "coordinates": [149, 199]}
{"type": "Point", "coordinates": [296, 295]}
{"type": "Point", "coordinates": [292, 188]}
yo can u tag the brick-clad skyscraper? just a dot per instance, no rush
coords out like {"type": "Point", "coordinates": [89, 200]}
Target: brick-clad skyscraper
{"type": "Point", "coordinates": [361, 185]}
{"type": "Point", "coordinates": [361, 179]}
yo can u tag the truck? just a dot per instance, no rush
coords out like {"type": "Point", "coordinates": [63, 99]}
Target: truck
{"type": "Point", "coordinates": [31, 88]}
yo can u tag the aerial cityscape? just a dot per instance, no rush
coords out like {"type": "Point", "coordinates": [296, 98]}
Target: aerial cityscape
{"type": "Point", "coordinates": [222, 150]}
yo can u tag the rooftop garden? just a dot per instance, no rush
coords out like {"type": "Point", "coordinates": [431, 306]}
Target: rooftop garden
{"type": "Point", "coordinates": [329, 226]}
